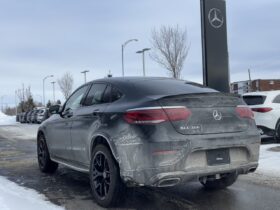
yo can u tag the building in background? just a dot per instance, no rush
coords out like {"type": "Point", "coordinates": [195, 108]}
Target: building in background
{"type": "Point", "coordinates": [242, 87]}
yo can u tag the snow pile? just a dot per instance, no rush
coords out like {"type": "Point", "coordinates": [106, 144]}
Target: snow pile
{"type": "Point", "coordinates": [7, 120]}
{"type": "Point", "coordinates": [19, 131]}
{"type": "Point", "coordinates": [14, 197]}
{"type": "Point", "coordinates": [269, 163]}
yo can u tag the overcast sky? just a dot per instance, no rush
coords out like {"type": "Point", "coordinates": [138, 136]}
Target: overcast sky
{"type": "Point", "coordinates": [38, 38]}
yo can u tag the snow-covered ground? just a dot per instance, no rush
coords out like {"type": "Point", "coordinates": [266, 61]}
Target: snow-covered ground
{"type": "Point", "coordinates": [19, 131]}
{"type": "Point", "coordinates": [14, 197]}
{"type": "Point", "coordinates": [269, 163]}
{"type": "Point", "coordinates": [7, 120]}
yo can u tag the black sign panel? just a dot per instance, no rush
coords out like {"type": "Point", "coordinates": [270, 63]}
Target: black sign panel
{"type": "Point", "coordinates": [214, 43]}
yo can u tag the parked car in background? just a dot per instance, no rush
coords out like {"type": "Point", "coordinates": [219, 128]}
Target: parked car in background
{"type": "Point", "coordinates": [42, 115]}
{"type": "Point", "coordinates": [24, 117]}
{"type": "Point", "coordinates": [21, 116]}
{"type": "Point", "coordinates": [18, 117]}
{"type": "Point", "coordinates": [34, 116]}
{"type": "Point", "coordinates": [149, 131]}
{"type": "Point", "coordinates": [28, 118]}
{"type": "Point", "coordinates": [266, 109]}
{"type": "Point", "coordinates": [38, 115]}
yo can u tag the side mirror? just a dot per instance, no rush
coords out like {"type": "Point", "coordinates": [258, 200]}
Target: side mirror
{"type": "Point", "coordinates": [55, 109]}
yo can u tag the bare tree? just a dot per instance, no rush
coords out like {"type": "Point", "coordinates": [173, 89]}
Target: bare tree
{"type": "Point", "coordinates": [26, 102]}
{"type": "Point", "coordinates": [170, 48]}
{"type": "Point", "coordinates": [66, 84]}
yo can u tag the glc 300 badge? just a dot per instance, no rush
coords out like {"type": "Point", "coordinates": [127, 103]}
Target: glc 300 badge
{"type": "Point", "coordinates": [215, 18]}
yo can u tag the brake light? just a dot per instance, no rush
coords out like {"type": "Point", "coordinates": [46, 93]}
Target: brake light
{"type": "Point", "coordinates": [244, 112]}
{"type": "Point", "coordinates": [156, 115]}
{"type": "Point", "coordinates": [262, 109]}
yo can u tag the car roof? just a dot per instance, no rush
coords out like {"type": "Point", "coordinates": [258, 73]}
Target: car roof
{"type": "Point", "coordinates": [263, 93]}
{"type": "Point", "coordinates": [270, 95]}
{"type": "Point", "coordinates": [153, 86]}
{"type": "Point", "coordinates": [118, 80]}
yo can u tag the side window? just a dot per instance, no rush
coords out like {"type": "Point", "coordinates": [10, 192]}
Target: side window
{"type": "Point", "coordinates": [74, 101]}
{"type": "Point", "coordinates": [107, 94]}
{"type": "Point", "coordinates": [115, 94]}
{"type": "Point", "coordinates": [276, 99]}
{"type": "Point", "coordinates": [95, 94]}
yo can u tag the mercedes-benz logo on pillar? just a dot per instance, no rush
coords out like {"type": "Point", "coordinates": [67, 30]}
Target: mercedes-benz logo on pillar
{"type": "Point", "coordinates": [215, 18]}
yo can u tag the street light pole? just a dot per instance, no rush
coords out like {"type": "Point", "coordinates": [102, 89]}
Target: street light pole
{"type": "Point", "coordinates": [2, 108]}
{"type": "Point", "coordinates": [143, 58]}
{"type": "Point", "coordinates": [123, 46]}
{"type": "Point", "coordinates": [250, 81]}
{"type": "Point", "coordinates": [16, 102]}
{"type": "Point", "coordinates": [53, 83]}
{"type": "Point", "coordinates": [44, 88]}
{"type": "Point", "coordinates": [85, 74]}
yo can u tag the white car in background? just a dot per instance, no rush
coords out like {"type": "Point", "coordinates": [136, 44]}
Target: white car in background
{"type": "Point", "coordinates": [266, 108]}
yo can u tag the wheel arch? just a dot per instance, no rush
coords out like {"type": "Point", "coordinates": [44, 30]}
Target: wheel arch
{"type": "Point", "coordinates": [40, 132]}
{"type": "Point", "coordinates": [102, 139]}
{"type": "Point", "coordinates": [277, 127]}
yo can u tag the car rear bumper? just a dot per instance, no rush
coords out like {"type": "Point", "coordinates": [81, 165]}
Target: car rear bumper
{"type": "Point", "coordinates": [267, 120]}
{"type": "Point", "coordinates": [266, 131]}
{"type": "Point", "coordinates": [139, 167]}
{"type": "Point", "coordinates": [171, 178]}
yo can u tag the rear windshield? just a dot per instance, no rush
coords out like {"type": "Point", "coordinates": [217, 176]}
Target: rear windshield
{"type": "Point", "coordinates": [254, 100]}
{"type": "Point", "coordinates": [170, 87]}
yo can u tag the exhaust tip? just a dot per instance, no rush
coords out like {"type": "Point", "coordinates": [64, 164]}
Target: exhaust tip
{"type": "Point", "coordinates": [168, 182]}
{"type": "Point", "coordinates": [251, 170]}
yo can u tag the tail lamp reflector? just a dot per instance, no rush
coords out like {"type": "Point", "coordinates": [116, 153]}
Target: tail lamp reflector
{"type": "Point", "coordinates": [244, 112]}
{"type": "Point", "coordinates": [262, 109]}
{"type": "Point", "coordinates": [156, 115]}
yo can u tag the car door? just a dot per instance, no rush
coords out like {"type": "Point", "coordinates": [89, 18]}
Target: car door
{"type": "Point", "coordinates": [86, 121]}
{"type": "Point", "coordinates": [59, 130]}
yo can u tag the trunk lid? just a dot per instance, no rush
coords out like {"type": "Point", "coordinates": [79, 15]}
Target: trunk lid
{"type": "Point", "coordinates": [210, 113]}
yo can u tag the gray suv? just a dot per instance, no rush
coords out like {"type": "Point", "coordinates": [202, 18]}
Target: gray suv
{"type": "Point", "coordinates": [149, 132]}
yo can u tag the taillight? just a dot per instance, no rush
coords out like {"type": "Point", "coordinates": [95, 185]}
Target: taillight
{"type": "Point", "coordinates": [244, 112]}
{"type": "Point", "coordinates": [262, 109]}
{"type": "Point", "coordinates": [155, 115]}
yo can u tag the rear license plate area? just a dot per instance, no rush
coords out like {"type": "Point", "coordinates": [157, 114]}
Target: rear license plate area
{"type": "Point", "coordinates": [217, 157]}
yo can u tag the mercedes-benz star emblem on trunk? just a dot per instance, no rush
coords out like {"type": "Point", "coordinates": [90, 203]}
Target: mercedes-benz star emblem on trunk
{"type": "Point", "coordinates": [217, 115]}
{"type": "Point", "coordinates": [215, 18]}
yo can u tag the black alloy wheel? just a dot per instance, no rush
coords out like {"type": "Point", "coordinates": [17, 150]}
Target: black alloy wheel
{"type": "Point", "coordinates": [101, 175]}
{"type": "Point", "coordinates": [106, 184]}
{"type": "Point", "coordinates": [277, 132]}
{"type": "Point", "coordinates": [46, 165]}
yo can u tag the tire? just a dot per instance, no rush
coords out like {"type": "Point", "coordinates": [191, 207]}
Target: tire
{"type": "Point", "coordinates": [277, 132]}
{"type": "Point", "coordinates": [46, 165]}
{"type": "Point", "coordinates": [221, 183]}
{"type": "Point", "coordinates": [107, 187]}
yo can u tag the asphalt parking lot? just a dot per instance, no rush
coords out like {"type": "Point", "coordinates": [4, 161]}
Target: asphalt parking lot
{"type": "Point", "coordinates": [71, 189]}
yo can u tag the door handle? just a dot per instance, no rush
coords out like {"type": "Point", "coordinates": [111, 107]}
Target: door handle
{"type": "Point", "coordinates": [95, 112]}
